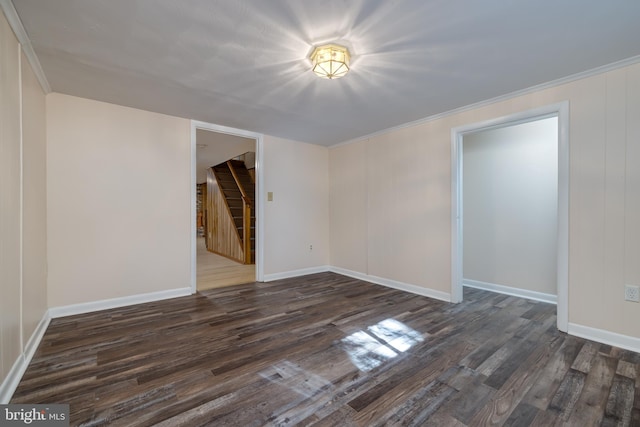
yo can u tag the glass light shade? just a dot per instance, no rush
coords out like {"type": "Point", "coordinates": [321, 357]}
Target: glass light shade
{"type": "Point", "coordinates": [330, 61]}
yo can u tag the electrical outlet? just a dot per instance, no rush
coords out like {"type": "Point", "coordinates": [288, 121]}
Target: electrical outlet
{"type": "Point", "coordinates": [632, 293]}
{"type": "Point", "coordinates": [310, 247]}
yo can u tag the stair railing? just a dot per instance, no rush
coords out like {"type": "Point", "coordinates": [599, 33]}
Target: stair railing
{"type": "Point", "coordinates": [246, 216]}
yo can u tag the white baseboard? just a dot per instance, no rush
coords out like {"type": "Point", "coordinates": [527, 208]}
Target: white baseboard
{"type": "Point", "coordinates": [36, 337]}
{"type": "Point", "coordinates": [426, 292]}
{"type": "Point", "coordinates": [401, 286]}
{"type": "Point", "coordinates": [605, 337]}
{"type": "Point", "coordinates": [508, 290]}
{"type": "Point", "coordinates": [87, 307]}
{"type": "Point", "coordinates": [10, 383]}
{"type": "Point", "coordinates": [12, 380]}
{"type": "Point", "coordinates": [295, 273]}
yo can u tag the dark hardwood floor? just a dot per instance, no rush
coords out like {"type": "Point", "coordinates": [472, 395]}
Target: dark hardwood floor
{"type": "Point", "coordinates": [327, 350]}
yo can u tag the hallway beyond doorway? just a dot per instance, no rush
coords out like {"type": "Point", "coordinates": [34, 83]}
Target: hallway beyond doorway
{"type": "Point", "coordinates": [216, 271]}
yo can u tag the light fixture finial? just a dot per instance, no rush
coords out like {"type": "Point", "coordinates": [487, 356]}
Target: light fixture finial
{"type": "Point", "coordinates": [330, 61]}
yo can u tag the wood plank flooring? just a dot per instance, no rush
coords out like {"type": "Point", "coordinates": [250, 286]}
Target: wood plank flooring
{"type": "Point", "coordinates": [216, 271]}
{"type": "Point", "coordinates": [327, 350]}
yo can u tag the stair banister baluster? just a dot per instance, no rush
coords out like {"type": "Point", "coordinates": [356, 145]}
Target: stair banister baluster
{"type": "Point", "coordinates": [246, 215]}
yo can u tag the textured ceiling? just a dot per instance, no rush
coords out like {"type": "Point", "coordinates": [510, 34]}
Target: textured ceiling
{"type": "Point", "coordinates": [242, 63]}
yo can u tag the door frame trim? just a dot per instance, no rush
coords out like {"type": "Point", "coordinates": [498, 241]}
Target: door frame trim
{"type": "Point", "coordinates": [259, 138]}
{"type": "Point", "coordinates": [560, 110]}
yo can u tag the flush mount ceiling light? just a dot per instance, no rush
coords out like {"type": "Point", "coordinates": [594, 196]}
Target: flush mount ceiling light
{"type": "Point", "coordinates": [330, 61]}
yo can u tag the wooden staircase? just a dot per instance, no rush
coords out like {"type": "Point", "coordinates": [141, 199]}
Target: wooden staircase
{"type": "Point", "coordinates": [238, 190]}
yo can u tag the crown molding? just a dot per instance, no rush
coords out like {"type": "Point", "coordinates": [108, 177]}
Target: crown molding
{"type": "Point", "coordinates": [21, 34]}
{"type": "Point", "coordinates": [553, 83]}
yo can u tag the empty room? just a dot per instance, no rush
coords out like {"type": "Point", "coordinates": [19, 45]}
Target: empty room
{"type": "Point", "coordinates": [327, 213]}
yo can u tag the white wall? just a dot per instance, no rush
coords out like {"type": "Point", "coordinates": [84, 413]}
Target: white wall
{"type": "Point", "coordinates": [22, 208]}
{"type": "Point", "coordinates": [390, 199]}
{"type": "Point", "coordinates": [298, 216]}
{"type": "Point", "coordinates": [510, 201]}
{"type": "Point", "coordinates": [407, 202]}
{"type": "Point", "coordinates": [10, 163]}
{"type": "Point", "coordinates": [118, 201]}
{"type": "Point", "coordinates": [34, 249]}
{"type": "Point", "coordinates": [348, 196]}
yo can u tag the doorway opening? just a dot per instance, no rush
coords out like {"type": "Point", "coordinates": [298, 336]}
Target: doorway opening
{"type": "Point", "coordinates": [559, 112]}
{"type": "Point", "coordinates": [226, 212]}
